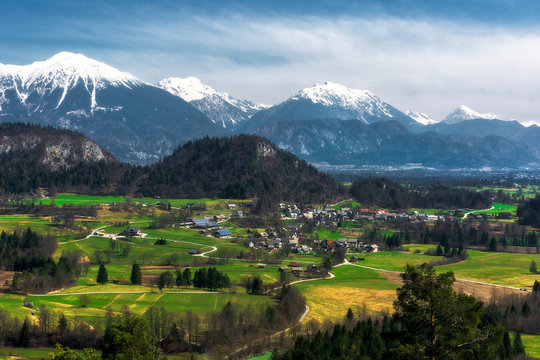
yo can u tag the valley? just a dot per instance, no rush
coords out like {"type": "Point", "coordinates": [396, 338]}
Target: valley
{"type": "Point", "coordinates": [363, 281]}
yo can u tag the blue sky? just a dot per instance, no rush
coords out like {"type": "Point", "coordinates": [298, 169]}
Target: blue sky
{"type": "Point", "coordinates": [429, 56]}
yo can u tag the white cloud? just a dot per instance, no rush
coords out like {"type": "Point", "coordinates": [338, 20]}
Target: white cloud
{"type": "Point", "coordinates": [428, 66]}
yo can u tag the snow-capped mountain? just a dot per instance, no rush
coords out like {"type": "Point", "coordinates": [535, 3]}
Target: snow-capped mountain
{"type": "Point", "coordinates": [331, 101]}
{"type": "Point", "coordinates": [135, 121]}
{"type": "Point", "coordinates": [421, 118]}
{"type": "Point", "coordinates": [64, 71]}
{"type": "Point", "coordinates": [221, 108]}
{"type": "Point", "coordinates": [463, 113]}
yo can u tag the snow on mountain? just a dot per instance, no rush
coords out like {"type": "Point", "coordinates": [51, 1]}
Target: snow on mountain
{"type": "Point", "coordinates": [463, 113]}
{"type": "Point", "coordinates": [361, 102]}
{"type": "Point", "coordinates": [65, 71]}
{"type": "Point", "coordinates": [421, 118]}
{"type": "Point", "coordinates": [221, 108]}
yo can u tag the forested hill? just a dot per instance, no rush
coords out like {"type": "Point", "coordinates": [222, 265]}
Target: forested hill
{"type": "Point", "coordinates": [241, 166]}
{"type": "Point", "coordinates": [32, 156]}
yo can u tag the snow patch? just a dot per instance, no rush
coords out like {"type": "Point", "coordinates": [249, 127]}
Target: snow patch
{"type": "Point", "coordinates": [421, 118]}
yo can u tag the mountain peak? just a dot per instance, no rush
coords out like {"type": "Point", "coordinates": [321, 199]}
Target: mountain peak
{"type": "Point", "coordinates": [330, 93]}
{"type": "Point", "coordinates": [420, 117]}
{"type": "Point", "coordinates": [189, 89]}
{"type": "Point", "coordinates": [66, 68]}
{"type": "Point", "coordinates": [463, 113]}
{"type": "Point", "coordinates": [220, 107]}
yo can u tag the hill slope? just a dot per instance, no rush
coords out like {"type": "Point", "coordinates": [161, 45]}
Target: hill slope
{"type": "Point", "coordinates": [241, 166]}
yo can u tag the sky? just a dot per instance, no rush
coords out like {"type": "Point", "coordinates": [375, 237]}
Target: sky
{"type": "Point", "coordinates": [428, 56]}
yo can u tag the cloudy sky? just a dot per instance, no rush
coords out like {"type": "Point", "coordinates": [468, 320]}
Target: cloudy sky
{"type": "Point", "coordinates": [421, 55]}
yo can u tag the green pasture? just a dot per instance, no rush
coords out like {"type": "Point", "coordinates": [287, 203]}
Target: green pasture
{"type": "Point", "coordinates": [347, 204]}
{"type": "Point", "coordinates": [201, 303]}
{"type": "Point", "coordinates": [497, 208]}
{"type": "Point", "coordinates": [497, 268]}
{"type": "Point", "coordinates": [531, 344]}
{"type": "Point", "coordinates": [25, 353]}
{"type": "Point", "coordinates": [396, 260]}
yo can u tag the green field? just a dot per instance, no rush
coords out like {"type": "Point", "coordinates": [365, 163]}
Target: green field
{"type": "Point", "coordinates": [201, 303]}
{"type": "Point", "coordinates": [532, 345]}
{"type": "Point", "coordinates": [496, 268]}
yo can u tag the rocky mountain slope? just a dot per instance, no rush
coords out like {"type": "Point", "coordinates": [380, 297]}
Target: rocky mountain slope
{"type": "Point", "coordinates": [134, 120]}
{"type": "Point", "coordinates": [221, 108]}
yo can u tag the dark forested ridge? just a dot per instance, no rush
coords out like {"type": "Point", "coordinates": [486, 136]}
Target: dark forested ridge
{"type": "Point", "coordinates": [390, 194]}
{"type": "Point", "coordinates": [242, 166]}
{"type": "Point", "coordinates": [529, 213]}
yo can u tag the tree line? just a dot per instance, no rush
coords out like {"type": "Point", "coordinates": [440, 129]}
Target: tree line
{"type": "Point", "coordinates": [430, 321]}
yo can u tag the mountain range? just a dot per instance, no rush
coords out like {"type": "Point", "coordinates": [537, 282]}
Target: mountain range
{"type": "Point", "coordinates": [326, 124]}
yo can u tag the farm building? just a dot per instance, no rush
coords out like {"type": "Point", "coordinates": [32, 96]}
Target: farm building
{"type": "Point", "coordinates": [223, 233]}
{"type": "Point", "coordinates": [131, 231]}
{"type": "Point", "coordinates": [204, 224]}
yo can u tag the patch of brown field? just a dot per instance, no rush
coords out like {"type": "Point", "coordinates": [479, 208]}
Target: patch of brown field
{"type": "Point", "coordinates": [332, 302]}
{"type": "Point", "coordinates": [351, 233]}
{"type": "Point", "coordinates": [6, 277]}
{"type": "Point", "coordinates": [484, 293]}
{"type": "Point", "coordinates": [159, 267]}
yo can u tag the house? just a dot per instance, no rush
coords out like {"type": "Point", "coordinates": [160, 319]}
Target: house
{"type": "Point", "coordinates": [231, 206]}
{"type": "Point", "coordinates": [283, 268]}
{"type": "Point", "coordinates": [328, 244]}
{"type": "Point", "coordinates": [312, 268]}
{"type": "Point", "coordinates": [274, 244]}
{"type": "Point", "coordinates": [219, 217]}
{"type": "Point", "coordinates": [293, 264]}
{"type": "Point", "coordinates": [373, 248]}
{"type": "Point", "coordinates": [131, 231]}
{"type": "Point", "coordinates": [261, 266]}
{"type": "Point", "coordinates": [263, 235]}
{"type": "Point", "coordinates": [352, 243]}
{"type": "Point", "coordinates": [224, 233]}
{"type": "Point", "coordinates": [292, 240]}
{"type": "Point", "coordinates": [296, 270]}
{"type": "Point", "coordinates": [204, 224]}
{"type": "Point", "coordinates": [99, 232]}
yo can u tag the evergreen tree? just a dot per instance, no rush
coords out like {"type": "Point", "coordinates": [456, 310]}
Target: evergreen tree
{"type": "Point", "coordinates": [506, 347]}
{"type": "Point", "coordinates": [525, 309]}
{"type": "Point", "coordinates": [24, 335]}
{"type": "Point", "coordinates": [493, 244]}
{"type": "Point", "coordinates": [439, 251]}
{"type": "Point", "coordinates": [536, 286]}
{"type": "Point", "coordinates": [517, 347]}
{"type": "Point", "coordinates": [102, 276]}
{"type": "Point", "coordinates": [436, 321]}
{"type": "Point", "coordinates": [179, 278]}
{"type": "Point", "coordinates": [532, 267]}
{"type": "Point", "coordinates": [136, 276]}
{"type": "Point", "coordinates": [186, 275]}
{"type": "Point", "coordinates": [62, 324]}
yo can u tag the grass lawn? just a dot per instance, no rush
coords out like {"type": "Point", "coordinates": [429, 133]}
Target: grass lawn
{"type": "Point", "coordinates": [25, 353]}
{"type": "Point", "coordinates": [266, 356]}
{"type": "Point", "coordinates": [497, 208]}
{"type": "Point", "coordinates": [497, 268]}
{"type": "Point", "coordinates": [200, 303]}
{"type": "Point", "coordinates": [532, 345]}
{"type": "Point", "coordinates": [396, 260]}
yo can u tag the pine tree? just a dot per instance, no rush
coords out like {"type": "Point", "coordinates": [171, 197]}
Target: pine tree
{"type": "Point", "coordinates": [136, 277]}
{"type": "Point", "coordinates": [186, 275]}
{"type": "Point", "coordinates": [517, 347]}
{"type": "Point", "coordinates": [102, 276]}
{"type": "Point", "coordinates": [24, 335]}
{"type": "Point", "coordinates": [439, 251]}
{"type": "Point", "coordinates": [532, 267]}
